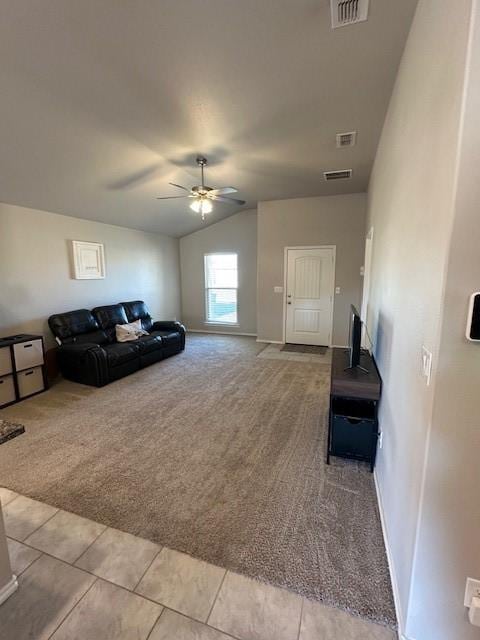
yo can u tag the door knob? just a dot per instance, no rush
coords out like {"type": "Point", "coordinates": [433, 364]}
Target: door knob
{"type": "Point", "coordinates": [289, 302]}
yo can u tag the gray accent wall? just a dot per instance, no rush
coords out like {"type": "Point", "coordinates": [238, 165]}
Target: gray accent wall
{"type": "Point", "coordinates": [35, 269]}
{"type": "Point", "coordinates": [236, 234]}
{"type": "Point", "coordinates": [325, 220]}
{"type": "Point", "coordinates": [423, 205]}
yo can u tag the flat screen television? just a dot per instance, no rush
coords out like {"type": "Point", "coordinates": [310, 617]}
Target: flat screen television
{"type": "Point", "coordinates": [355, 337]}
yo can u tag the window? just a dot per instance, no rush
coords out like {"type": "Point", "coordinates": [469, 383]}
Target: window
{"type": "Point", "coordinates": [221, 284]}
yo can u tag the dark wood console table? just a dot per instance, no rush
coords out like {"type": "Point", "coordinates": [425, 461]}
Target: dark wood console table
{"type": "Point", "coordinates": [354, 398]}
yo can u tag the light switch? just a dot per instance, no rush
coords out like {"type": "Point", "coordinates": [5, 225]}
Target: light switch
{"type": "Point", "coordinates": [426, 364]}
{"type": "Point", "coordinates": [278, 289]}
{"type": "Point", "coordinates": [472, 601]}
{"type": "Point", "coordinates": [337, 290]}
{"type": "Point", "coordinates": [474, 612]}
{"type": "Point", "coordinates": [472, 590]}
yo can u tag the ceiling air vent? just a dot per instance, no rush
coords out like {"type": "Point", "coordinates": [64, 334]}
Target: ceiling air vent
{"type": "Point", "coordinates": [346, 139]}
{"type": "Point", "coordinates": [344, 174]}
{"type": "Point", "coordinates": [348, 12]}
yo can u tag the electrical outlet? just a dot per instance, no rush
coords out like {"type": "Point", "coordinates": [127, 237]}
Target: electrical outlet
{"type": "Point", "coordinates": [472, 590]}
{"type": "Point", "coordinates": [380, 439]}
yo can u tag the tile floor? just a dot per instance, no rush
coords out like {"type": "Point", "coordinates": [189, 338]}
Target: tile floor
{"type": "Point", "coordinates": [79, 580]}
{"type": "Point", "coordinates": [274, 352]}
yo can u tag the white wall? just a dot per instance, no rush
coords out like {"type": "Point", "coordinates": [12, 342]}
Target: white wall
{"type": "Point", "coordinates": [411, 207]}
{"type": "Point", "coordinates": [35, 270]}
{"type": "Point", "coordinates": [448, 548]}
{"type": "Point", "coordinates": [237, 234]}
{"type": "Point", "coordinates": [326, 220]}
{"type": "Point", "coordinates": [5, 567]}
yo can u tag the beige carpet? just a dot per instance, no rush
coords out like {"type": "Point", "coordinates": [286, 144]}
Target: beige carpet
{"type": "Point", "coordinates": [219, 454]}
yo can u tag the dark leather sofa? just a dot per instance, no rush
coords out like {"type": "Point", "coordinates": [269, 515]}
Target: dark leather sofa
{"type": "Point", "coordinates": [89, 353]}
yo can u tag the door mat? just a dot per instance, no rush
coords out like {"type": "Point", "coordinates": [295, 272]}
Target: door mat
{"type": "Point", "coordinates": [305, 348]}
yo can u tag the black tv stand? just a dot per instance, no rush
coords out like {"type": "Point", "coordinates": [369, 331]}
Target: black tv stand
{"type": "Point", "coordinates": [354, 397]}
{"type": "Point", "coordinates": [363, 352]}
{"type": "Point", "coordinates": [357, 366]}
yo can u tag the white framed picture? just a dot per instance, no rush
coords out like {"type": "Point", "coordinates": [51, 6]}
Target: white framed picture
{"type": "Point", "coordinates": [88, 260]}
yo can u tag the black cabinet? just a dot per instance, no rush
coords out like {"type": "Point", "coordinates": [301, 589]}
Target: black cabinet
{"type": "Point", "coordinates": [354, 397]}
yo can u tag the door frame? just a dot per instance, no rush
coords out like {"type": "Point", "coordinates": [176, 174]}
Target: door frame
{"type": "Point", "coordinates": [333, 247]}
{"type": "Point", "coordinates": [366, 288]}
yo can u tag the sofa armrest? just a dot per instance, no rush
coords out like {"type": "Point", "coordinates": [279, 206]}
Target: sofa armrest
{"type": "Point", "coordinates": [78, 349]}
{"type": "Point", "coordinates": [85, 363]}
{"type": "Point", "coordinates": [170, 325]}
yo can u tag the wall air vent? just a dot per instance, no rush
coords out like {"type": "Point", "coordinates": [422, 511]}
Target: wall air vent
{"type": "Point", "coordinates": [348, 12]}
{"type": "Point", "coordinates": [344, 174]}
{"type": "Point", "coordinates": [346, 139]}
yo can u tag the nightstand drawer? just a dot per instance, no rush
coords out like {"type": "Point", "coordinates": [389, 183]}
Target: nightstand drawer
{"type": "Point", "coordinates": [30, 381]}
{"type": "Point", "coordinates": [5, 361]}
{"type": "Point", "coordinates": [7, 390]}
{"type": "Point", "coordinates": [28, 354]}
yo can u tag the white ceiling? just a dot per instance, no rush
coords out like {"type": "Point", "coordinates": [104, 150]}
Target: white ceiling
{"type": "Point", "coordinates": [105, 102]}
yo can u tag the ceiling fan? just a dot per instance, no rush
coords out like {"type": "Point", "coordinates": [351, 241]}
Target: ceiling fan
{"type": "Point", "coordinates": [203, 196]}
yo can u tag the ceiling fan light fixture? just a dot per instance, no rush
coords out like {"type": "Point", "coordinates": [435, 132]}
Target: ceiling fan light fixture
{"type": "Point", "coordinates": [201, 205]}
{"type": "Point", "coordinates": [203, 195]}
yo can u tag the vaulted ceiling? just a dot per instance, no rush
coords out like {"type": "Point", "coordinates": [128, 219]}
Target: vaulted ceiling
{"type": "Point", "coordinates": [103, 103]}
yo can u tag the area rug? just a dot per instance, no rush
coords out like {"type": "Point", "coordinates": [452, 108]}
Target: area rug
{"type": "Point", "coordinates": [304, 348]}
{"type": "Point", "coordinates": [10, 430]}
{"type": "Point", "coordinates": [218, 454]}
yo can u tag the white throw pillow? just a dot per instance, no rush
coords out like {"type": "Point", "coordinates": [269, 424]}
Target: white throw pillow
{"type": "Point", "coordinates": [130, 331]}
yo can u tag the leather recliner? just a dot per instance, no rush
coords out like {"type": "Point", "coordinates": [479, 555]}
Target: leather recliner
{"type": "Point", "coordinates": [89, 353]}
{"type": "Point", "coordinates": [137, 310]}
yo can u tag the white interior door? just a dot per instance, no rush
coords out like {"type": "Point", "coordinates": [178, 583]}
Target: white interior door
{"type": "Point", "coordinates": [309, 295]}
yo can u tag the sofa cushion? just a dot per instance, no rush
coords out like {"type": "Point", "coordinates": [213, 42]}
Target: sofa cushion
{"type": "Point", "coordinates": [108, 317]}
{"type": "Point", "coordinates": [120, 352]}
{"type": "Point", "coordinates": [147, 344]}
{"type": "Point", "coordinates": [65, 326]}
{"type": "Point", "coordinates": [169, 338]}
{"type": "Point", "coordinates": [138, 310]}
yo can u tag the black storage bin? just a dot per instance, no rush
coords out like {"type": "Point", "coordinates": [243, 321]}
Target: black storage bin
{"type": "Point", "coordinates": [353, 428]}
{"type": "Point", "coordinates": [353, 407]}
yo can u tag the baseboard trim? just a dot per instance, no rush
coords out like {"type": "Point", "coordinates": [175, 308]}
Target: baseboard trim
{"type": "Point", "coordinates": [9, 589]}
{"type": "Point", "coordinates": [270, 341]}
{"type": "Point", "coordinates": [391, 565]}
{"type": "Point", "coordinates": [223, 333]}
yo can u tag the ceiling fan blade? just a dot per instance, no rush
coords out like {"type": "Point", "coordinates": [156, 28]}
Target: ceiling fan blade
{"type": "Point", "coordinates": [172, 197]}
{"type": "Point", "coordinates": [225, 199]}
{"type": "Point", "coordinates": [179, 186]}
{"type": "Point", "coordinates": [222, 191]}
